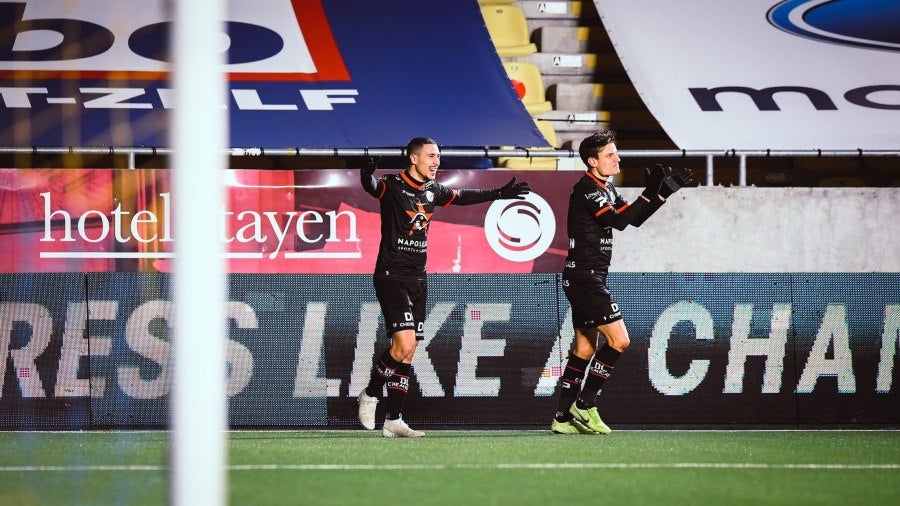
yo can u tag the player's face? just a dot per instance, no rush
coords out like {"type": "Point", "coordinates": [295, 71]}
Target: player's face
{"type": "Point", "coordinates": [607, 161]}
{"type": "Point", "coordinates": [425, 163]}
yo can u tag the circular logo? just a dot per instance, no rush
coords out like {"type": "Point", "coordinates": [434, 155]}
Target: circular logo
{"type": "Point", "coordinates": [520, 230]}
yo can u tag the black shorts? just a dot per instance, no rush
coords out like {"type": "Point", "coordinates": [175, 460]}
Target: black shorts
{"type": "Point", "coordinates": [402, 304]}
{"type": "Point", "coordinates": [592, 303]}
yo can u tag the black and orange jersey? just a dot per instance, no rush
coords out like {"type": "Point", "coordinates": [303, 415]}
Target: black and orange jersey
{"type": "Point", "coordinates": [595, 208]}
{"type": "Point", "coordinates": [406, 209]}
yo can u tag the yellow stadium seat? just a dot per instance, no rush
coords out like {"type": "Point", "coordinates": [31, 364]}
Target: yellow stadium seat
{"type": "Point", "coordinates": [508, 29]}
{"type": "Point", "coordinates": [529, 76]}
{"type": "Point", "coordinates": [536, 163]}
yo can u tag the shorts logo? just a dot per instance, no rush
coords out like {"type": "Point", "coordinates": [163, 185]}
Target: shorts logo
{"type": "Point", "coordinates": [520, 230]}
{"type": "Point", "coordinates": [286, 40]}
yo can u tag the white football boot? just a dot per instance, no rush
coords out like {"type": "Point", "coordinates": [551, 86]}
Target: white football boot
{"type": "Point", "coordinates": [398, 428]}
{"type": "Point", "coordinates": [367, 407]}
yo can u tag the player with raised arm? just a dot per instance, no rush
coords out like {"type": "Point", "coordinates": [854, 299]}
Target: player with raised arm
{"type": "Point", "coordinates": [595, 208]}
{"type": "Point", "coordinates": [407, 201]}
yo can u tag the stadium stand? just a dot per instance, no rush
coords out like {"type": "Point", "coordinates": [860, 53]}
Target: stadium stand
{"type": "Point", "coordinates": [588, 88]}
{"type": "Point", "coordinates": [583, 83]}
{"type": "Point", "coordinates": [584, 87]}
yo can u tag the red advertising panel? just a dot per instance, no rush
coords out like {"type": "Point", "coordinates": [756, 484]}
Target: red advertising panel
{"type": "Point", "coordinates": [274, 221]}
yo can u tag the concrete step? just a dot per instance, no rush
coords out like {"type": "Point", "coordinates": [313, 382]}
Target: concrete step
{"type": "Point", "coordinates": [594, 96]}
{"type": "Point", "coordinates": [573, 64]}
{"type": "Point", "coordinates": [588, 121]}
{"type": "Point", "coordinates": [605, 77]}
{"type": "Point", "coordinates": [566, 13]}
{"type": "Point", "coordinates": [533, 9]}
{"type": "Point", "coordinates": [637, 129]}
{"type": "Point", "coordinates": [571, 39]}
{"type": "Point", "coordinates": [561, 64]}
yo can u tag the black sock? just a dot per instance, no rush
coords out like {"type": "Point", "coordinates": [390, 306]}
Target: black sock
{"type": "Point", "coordinates": [397, 386]}
{"type": "Point", "coordinates": [570, 385]}
{"type": "Point", "coordinates": [600, 368]}
{"type": "Point", "coordinates": [383, 369]}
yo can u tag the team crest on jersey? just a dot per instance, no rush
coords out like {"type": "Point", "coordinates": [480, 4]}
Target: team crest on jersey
{"type": "Point", "coordinates": [419, 219]}
{"type": "Point", "coordinates": [429, 195]}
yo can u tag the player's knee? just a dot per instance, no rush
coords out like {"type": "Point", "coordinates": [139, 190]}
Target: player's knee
{"type": "Point", "coordinates": [403, 346]}
{"type": "Point", "coordinates": [584, 350]}
{"type": "Point", "coordinates": [403, 351]}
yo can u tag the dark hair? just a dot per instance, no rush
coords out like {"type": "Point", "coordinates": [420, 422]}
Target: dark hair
{"type": "Point", "coordinates": [594, 143]}
{"type": "Point", "coordinates": [416, 144]}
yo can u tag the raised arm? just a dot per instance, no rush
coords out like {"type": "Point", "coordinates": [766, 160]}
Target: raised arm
{"type": "Point", "coordinates": [648, 202]}
{"type": "Point", "coordinates": [511, 190]}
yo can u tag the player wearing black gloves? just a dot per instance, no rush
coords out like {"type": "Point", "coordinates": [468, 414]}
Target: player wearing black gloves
{"type": "Point", "coordinates": [407, 201]}
{"type": "Point", "coordinates": [595, 208]}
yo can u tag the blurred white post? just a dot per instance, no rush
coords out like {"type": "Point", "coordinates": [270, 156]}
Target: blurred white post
{"type": "Point", "coordinates": [199, 130]}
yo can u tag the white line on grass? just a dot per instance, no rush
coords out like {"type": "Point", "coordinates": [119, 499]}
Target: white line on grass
{"type": "Point", "coordinates": [438, 467]}
{"type": "Point", "coordinates": [89, 432]}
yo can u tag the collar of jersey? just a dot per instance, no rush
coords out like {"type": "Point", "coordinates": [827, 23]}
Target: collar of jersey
{"type": "Point", "coordinates": [596, 179]}
{"type": "Point", "coordinates": [410, 181]}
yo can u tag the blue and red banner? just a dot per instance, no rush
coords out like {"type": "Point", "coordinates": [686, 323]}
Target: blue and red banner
{"type": "Point", "coordinates": [302, 73]}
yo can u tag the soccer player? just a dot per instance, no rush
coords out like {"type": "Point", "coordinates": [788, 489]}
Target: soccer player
{"type": "Point", "coordinates": [595, 208]}
{"type": "Point", "coordinates": [407, 201]}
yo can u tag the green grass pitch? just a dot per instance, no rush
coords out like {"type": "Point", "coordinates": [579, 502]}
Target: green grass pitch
{"type": "Point", "coordinates": [469, 468]}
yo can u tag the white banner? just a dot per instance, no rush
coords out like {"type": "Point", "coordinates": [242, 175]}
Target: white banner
{"type": "Point", "coordinates": [716, 229]}
{"type": "Point", "coordinates": [764, 74]}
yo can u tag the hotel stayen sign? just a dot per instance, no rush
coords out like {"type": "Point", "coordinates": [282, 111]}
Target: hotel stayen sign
{"type": "Point", "coordinates": [148, 226]}
{"type": "Point", "coordinates": [273, 221]}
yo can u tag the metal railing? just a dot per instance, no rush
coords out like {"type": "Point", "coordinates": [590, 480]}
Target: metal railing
{"type": "Point", "coordinates": [708, 155]}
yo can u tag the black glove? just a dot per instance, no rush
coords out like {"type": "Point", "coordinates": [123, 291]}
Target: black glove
{"type": "Point", "coordinates": [653, 179]}
{"type": "Point", "coordinates": [513, 190]}
{"type": "Point", "coordinates": [371, 166]}
{"type": "Point", "coordinates": [672, 184]}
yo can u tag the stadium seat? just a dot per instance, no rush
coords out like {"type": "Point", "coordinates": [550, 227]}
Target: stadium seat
{"type": "Point", "coordinates": [508, 29]}
{"type": "Point", "coordinates": [529, 76]}
{"type": "Point", "coordinates": [536, 163]}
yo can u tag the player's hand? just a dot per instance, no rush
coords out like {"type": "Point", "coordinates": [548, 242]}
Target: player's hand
{"type": "Point", "coordinates": [673, 183]}
{"type": "Point", "coordinates": [371, 166]}
{"type": "Point", "coordinates": [653, 179]}
{"type": "Point", "coordinates": [513, 190]}
{"type": "Point", "coordinates": [684, 178]}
